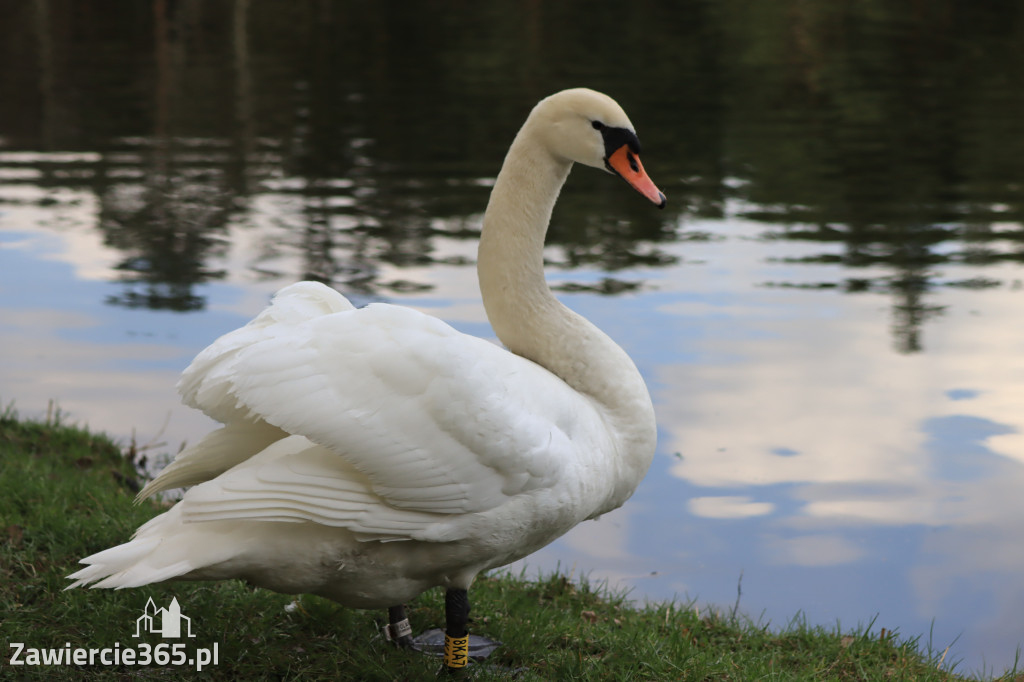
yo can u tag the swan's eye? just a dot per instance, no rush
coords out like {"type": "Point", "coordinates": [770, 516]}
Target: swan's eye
{"type": "Point", "coordinates": [597, 125]}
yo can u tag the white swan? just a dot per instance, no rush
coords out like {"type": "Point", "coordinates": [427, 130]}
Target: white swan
{"type": "Point", "coordinates": [368, 455]}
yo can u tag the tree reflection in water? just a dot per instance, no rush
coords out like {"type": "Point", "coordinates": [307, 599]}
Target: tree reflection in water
{"type": "Point", "coordinates": [893, 131]}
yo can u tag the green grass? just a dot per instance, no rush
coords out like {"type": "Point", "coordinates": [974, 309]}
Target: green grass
{"type": "Point", "coordinates": [66, 493]}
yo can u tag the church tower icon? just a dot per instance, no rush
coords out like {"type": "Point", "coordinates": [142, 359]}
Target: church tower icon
{"type": "Point", "coordinates": [165, 622]}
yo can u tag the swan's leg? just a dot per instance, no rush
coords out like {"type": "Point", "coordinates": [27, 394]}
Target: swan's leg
{"type": "Point", "coordinates": [456, 635]}
{"type": "Point", "coordinates": [398, 629]}
{"type": "Point", "coordinates": [454, 642]}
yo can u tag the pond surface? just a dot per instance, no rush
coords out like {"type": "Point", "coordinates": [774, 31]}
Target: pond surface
{"type": "Point", "coordinates": [828, 312]}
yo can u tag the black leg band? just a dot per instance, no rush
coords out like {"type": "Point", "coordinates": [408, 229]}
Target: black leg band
{"type": "Point", "coordinates": [456, 636]}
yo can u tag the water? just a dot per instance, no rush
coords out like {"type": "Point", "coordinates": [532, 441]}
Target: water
{"type": "Point", "coordinates": [827, 313]}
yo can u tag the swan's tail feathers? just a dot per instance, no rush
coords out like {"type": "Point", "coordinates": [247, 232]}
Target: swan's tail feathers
{"type": "Point", "coordinates": [154, 554]}
{"type": "Point", "coordinates": [127, 565]}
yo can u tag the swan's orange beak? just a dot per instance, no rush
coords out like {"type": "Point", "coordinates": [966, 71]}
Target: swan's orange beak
{"type": "Point", "coordinates": [627, 164]}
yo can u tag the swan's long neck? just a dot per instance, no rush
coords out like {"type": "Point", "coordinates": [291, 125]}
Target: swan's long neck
{"type": "Point", "coordinates": [524, 313]}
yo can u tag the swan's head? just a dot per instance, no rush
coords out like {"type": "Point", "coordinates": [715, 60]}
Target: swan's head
{"type": "Point", "coordinates": [589, 127]}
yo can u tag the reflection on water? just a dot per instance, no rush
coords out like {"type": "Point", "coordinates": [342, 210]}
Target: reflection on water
{"type": "Point", "coordinates": [827, 311]}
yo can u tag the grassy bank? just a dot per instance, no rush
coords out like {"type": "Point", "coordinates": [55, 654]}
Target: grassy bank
{"type": "Point", "coordinates": [65, 493]}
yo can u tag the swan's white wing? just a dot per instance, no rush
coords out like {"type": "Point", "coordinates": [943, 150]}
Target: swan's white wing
{"type": "Point", "coordinates": [243, 435]}
{"type": "Point", "coordinates": [291, 306]}
{"type": "Point", "coordinates": [437, 421]}
{"type": "Point", "coordinates": [217, 452]}
{"type": "Point", "coordinates": [291, 481]}
{"type": "Point", "coordinates": [295, 480]}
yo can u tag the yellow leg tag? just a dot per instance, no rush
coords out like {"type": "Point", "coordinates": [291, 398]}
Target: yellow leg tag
{"type": "Point", "coordinates": [456, 651]}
